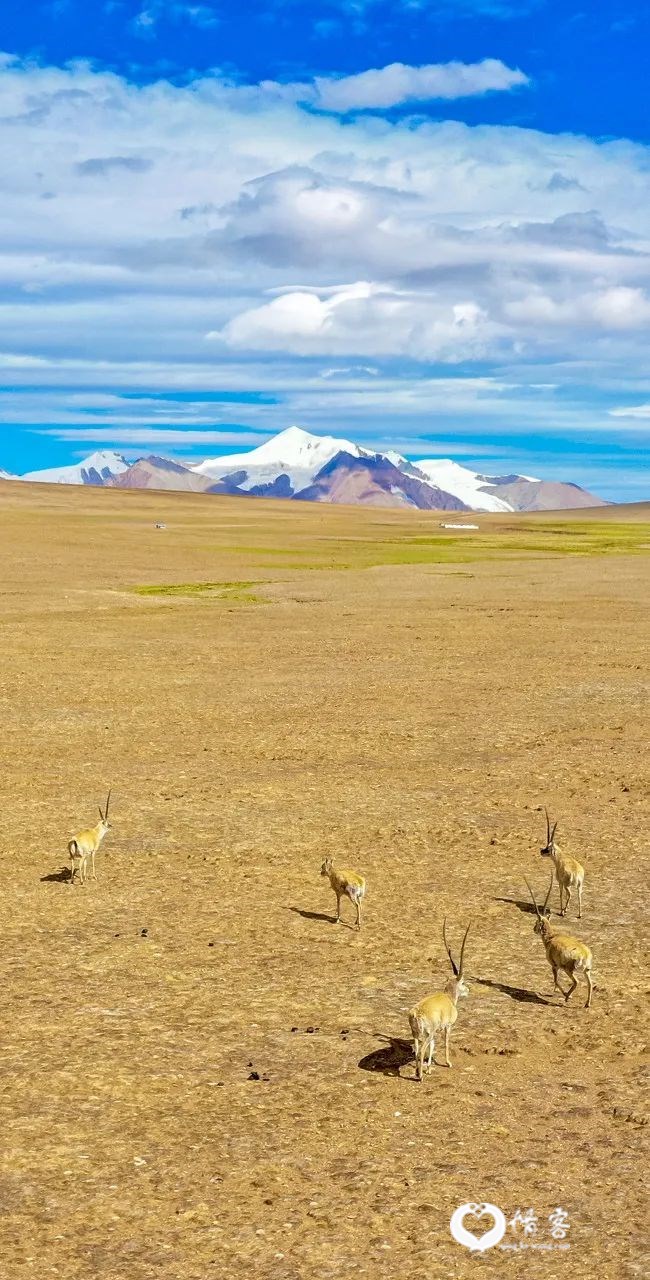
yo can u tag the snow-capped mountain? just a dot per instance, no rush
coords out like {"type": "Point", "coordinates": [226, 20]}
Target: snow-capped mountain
{"type": "Point", "coordinates": [467, 485]}
{"type": "Point", "coordinates": [290, 464]}
{"type": "Point", "coordinates": [296, 464]}
{"type": "Point", "coordinates": [293, 453]}
{"type": "Point", "coordinates": [6, 475]}
{"type": "Point", "coordinates": [96, 469]}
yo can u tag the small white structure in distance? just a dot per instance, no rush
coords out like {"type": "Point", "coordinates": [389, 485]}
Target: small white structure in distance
{"type": "Point", "coordinates": [458, 526]}
{"type": "Point", "coordinates": [161, 526]}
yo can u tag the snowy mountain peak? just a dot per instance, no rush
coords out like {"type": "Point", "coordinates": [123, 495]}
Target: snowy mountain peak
{"type": "Point", "coordinates": [295, 446]}
{"type": "Point", "coordinates": [293, 438]}
{"type": "Point", "coordinates": [294, 453]}
{"type": "Point", "coordinates": [104, 458]}
{"type": "Point", "coordinates": [95, 469]}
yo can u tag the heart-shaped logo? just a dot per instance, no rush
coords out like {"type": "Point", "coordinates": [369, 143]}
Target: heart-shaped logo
{"type": "Point", "coordinates": [489, 1238]}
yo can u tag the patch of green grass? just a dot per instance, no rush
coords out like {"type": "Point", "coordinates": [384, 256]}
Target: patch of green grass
{"type": "Point", "coordinates": [528, 537]}
{"type": "Point", "coordinates": [387, 544]}
{"type": "Point", "coordinates": [230, 591]}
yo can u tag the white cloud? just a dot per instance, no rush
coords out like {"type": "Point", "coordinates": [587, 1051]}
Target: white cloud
{"type": "Point", "coordinates": [156, 214]}
{"type": "Point", "coordinates": [399, 83]}
{"type": "Point", "coordinates": [364, 319]}
{"type": "Point", "coordinates": [619, 308]}
{"type": "Point", "coordinates": [641, 411]}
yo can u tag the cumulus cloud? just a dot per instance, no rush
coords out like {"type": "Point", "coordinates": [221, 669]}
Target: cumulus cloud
{"type": "Point", "coordinates": [399, 83]}
{"type": "Point", "coordinates": [612, 310]}
{"type": "Point", "coordinates": [306, 239]}
{"type": "Point", "coordinates": [364, 319]}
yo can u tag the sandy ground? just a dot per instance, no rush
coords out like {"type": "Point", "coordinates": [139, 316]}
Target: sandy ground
{"type": "Point", "coordinates": [409, 720]}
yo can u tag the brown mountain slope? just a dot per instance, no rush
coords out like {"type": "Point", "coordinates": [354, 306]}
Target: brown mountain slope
{"type": "Point", "coordinates": [159, 473]}
{"type": "Point", "coordinates": [375, 482]}
{"type": "Point", "coordinates": [544, 495]}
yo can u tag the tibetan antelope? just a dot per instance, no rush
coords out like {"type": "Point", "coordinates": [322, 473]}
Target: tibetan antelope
{"type": "Point", "coordinates": [438, 1012]}
{"type": "Point", "coordinates": [562, 951]}
{"type": "Point", "coordinates": [86, 844]}
{"type": "Point", "coordinates": [568, 873]}
{"type": "Point", "coordinates": [346, 884]}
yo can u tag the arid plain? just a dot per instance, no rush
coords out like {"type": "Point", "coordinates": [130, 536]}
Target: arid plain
{"type": "Point", "coordinates": [201, 1076]}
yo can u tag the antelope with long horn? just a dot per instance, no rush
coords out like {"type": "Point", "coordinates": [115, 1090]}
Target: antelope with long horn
{"type": "Point", "coordinates": [438, 1012]}
{"type": "Point", "coordinates": [84, 846]}
{"type": "Point", "coordinates": [563, 952]}
{"type": "Point", "coordinates": [568, 873]}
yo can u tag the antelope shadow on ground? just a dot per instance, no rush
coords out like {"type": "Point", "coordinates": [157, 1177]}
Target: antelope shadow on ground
{"type": "Point", "coordinates": [527, 907]}
{"type": "Point", "coordinates": [321, 915]}
{"type": "Point", "coordinates": [396, 1054]}
{"type": "Point", "coordinates": [312, 915]}
{"type": "Point", "coordinates": [59, 877]}
{"type": "Point", "coordinates": [515, 993]}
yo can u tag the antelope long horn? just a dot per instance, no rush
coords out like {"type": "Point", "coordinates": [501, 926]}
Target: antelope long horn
{"type": "Point", "coordinates": [548, 894]}
{"type": "Point", "coordinates": [444, 938]}
{"type": "Point", "coordinates": [548, 826]}
{"type": "Point", "coordinates": [462, 950]}
{"type": "Point", "coordinates": [534, 899]}
{"type": "Point", "coordinates": [108, 800]}
{"type": "Point", "coordinates": [553, 833]}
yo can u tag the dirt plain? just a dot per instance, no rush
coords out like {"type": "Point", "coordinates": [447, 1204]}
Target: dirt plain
{"type": "Point", "coordinates": [364, 688]}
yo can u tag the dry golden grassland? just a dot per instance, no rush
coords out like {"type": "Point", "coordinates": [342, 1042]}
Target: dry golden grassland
{"type": "Point", "coordinates": [264, 684]}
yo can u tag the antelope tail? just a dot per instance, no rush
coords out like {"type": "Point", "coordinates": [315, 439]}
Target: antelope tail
{"type": "Point", "coordinates": [73, 849]}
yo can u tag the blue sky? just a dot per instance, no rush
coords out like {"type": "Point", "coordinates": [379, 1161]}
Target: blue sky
{"type": "Point", "coordinates": [422, 224]}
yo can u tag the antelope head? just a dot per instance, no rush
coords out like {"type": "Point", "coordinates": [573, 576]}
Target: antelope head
{"type": "Point", "coordinates": [549, 849]}
{"type": "Point", "coordinates": [455, 986]}
{"type": "Point", "coordinates": [104, 816]}
{"type": "Point", "coordinates": [542, 924]}
{"type": "Point", "coordinates": [326, 867]}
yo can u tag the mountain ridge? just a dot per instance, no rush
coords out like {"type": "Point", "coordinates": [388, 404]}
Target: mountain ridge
{"type": "Point", "coordinates": [294, 464]}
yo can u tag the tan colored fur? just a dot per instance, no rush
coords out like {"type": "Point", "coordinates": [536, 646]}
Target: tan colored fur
{"type": "Point", "coordinates": [84, 847]}
{"type": "Point", "coordinates": [569, 873]}
{"type": "Point", "coordinates": [563, 952]}
{"type": "Point", "coordinates": [433, 1014]}
{"type": "Point", "coordinates": [567, 954]}
{"type": "Point", "coordinates": [346, 884]}
{"type": "Point", "coordinates": [436, 1013]}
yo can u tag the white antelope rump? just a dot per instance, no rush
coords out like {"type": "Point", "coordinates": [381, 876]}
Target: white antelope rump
{"type": "Point", "coordinates": [346, 884]}
{"type": "Point", "coordinates": [568, 873]}
{"type": "Point", "coordinates": [438, 1012]}
{"type": "Point", "coordinates": [563, 952]}
{"type": "Point", "coordinates": [85, 846]}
